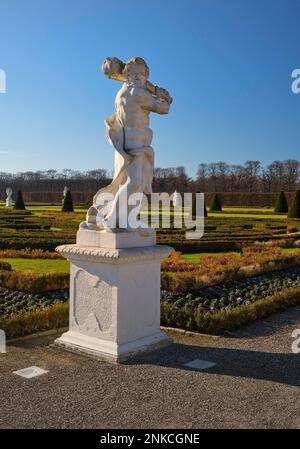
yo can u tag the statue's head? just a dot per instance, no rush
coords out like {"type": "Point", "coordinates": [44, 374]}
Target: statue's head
{"type": "Point", "coordinates": [136, 71]}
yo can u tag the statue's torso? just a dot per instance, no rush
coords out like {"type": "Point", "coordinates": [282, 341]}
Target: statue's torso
{"type": "Point", "coordinates": [129, 107]}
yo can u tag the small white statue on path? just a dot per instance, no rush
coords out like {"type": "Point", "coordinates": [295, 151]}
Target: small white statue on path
{"type": "Point", "coordinates": [128, 131]}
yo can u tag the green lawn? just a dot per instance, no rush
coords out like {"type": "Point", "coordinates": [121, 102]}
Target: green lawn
{"type": "Point", "coordinates": [39, 265]}
{"type": "Point", "coordinates": [250, 210]}
{"type": "Point", "coordinates": [195, 258]}
{"type": "Point", "coordinates": [290, 250]}
{"type": "Point", "coordinates": [247, 215]}
{"type": "Point", "coordinates": [63, 266]}
{"type": "Point", "coordinates": [52, 208]}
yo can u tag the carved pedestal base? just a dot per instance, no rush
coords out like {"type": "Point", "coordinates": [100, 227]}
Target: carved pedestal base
{"type": "Point", "coordinates": [114, 301]}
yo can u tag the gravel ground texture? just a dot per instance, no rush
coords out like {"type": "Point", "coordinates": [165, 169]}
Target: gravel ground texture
{"type": "Point", "coordinates": [254, 383]}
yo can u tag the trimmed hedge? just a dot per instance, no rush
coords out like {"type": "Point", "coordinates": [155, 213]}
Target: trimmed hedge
{"type": "Point", "coordinates": [33, 282]}
{"type": "Point", "coordinates": [185, 277]}
{"type": "Point", "coordinates": [67, 205]}
{"type": "Point", "coordinates": [216, 204]}
{"type": "Point", "coordinates": [224, 320]}
{"type": "Point", "coordinates": [5, 266]}
{"type": "Point", "coordinates": [19, 203]}
{"type": "Point", "coordinates": [28, 254]}
{"type": "Point", "coordinates": [57, 316]}
{"type": "Point", "coordinates": [202, 246]}
{"type": "Point", "coordinates": [281, 206]}
{"type": "Point", "coordinates": [26, 323]}
{"type": "Point", "coordinates": [294, 211]}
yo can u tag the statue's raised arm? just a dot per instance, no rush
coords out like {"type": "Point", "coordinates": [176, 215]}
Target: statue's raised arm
{"type": "Point", "coordinates": [113, 68]}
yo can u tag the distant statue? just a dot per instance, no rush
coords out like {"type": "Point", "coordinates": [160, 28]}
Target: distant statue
{"type": "Point", "coordinates": [176, 199]}
{"type": "Point", "coordinates": [9, 201]}
{"type": "Point", "coordinates": [128, 131]}
{"type": "Point", "coordinates": [64, 193]}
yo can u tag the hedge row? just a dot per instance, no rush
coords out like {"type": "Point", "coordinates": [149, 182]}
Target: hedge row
{"type": "Point", "coordinates": [183, 282]}
{"type": "Point", "coordinates": [46, 244]}
{"type": "Point", "coordinates": [231, 242]}
{"type": "Point", "coordinates": [26, 323]}
{"type": "Point", "coordinates": [224, 320]}
{"type": "Point", "coordinates": [33, 282]}
{"type": "Point", "coordinates": [28, 254]}
{"type": "Point", "coordinates": [5, 266]}
{"type": "Point", "coordinates": [57, 316]}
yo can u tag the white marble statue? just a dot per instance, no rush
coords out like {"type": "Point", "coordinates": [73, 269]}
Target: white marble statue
{"type": "Point", "coordinates": [64, 194]}
{"type": "Point", "coordinates": [176, 199]}
{"type": "Point", "coordinates": [128, 131]}
{"type": "Point", "coordinates": [9, 201]}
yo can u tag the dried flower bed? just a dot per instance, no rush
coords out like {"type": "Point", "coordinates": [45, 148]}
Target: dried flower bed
{"type": "Point", "coordinates": [236, 293]}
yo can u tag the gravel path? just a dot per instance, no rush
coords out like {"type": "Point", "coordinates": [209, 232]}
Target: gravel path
{"type": "Point", "coordinates": [254, 384]}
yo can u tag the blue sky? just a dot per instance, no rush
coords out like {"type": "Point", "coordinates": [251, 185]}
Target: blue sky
{"type": "Point", "coordinates": [227, 64]}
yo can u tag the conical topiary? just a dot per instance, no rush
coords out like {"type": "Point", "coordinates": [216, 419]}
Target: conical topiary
{"type": "Point", "coordinates": [294, 210]}
{"type": "Point", "coordinates": [215, 205]}
{"type": "Point", "coordinates": [19, 203]}
{"type": "Point", "coordinates": [281, 206]}
{"type": "Point", "coordinates": [67, 203]}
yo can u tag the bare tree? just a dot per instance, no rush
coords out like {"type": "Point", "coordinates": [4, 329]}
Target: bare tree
{"type": "Point", "coordinates": [252, 169]}
{"type": "Point", "coordinates": [213, 177]}
{"type": "Point", "coordinates": [235, 176]}
{"type": "Point", "coordinates": [213, 174]}
{"type": "Point", "coordinates": [222, 170]}
{"type": "Point", "coordinates": [292, 172]}
{"type": "Point", "coordinates": [202, 174]}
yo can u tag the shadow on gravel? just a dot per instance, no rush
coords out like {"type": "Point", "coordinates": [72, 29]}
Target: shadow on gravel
{"type": "Point", "coordinates": [276, 367]}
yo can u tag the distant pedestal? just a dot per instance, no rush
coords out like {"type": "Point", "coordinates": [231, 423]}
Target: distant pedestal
{"type": "Point", "coordinates": [114, 294]}
{"type": "Point", "coordinates": [9, 202]}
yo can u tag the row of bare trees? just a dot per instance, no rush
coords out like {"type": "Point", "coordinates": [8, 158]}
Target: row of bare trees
{"type": "Point", "coordinates": [213, 177]}
{"type": "Point", "coordinates": [250, 177]}
{"type": "Point", "coordinates": [54, 181]}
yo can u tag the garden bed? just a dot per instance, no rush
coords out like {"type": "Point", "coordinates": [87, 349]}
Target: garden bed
{"type": "Point", "coordinates": [181, 276]}
{"type": "Point", "coordinates": [227, 320]}
{"type": "Point", "coordinates": [57, 316]}
{"type": "Point", "coordinates": [211, 310]}
{"type": "Point", "coordinates": [239, 292]}
{"type": "Point", "coordinates": [13, 302]}
{"type": "Point", "coordinates": [44, 228]}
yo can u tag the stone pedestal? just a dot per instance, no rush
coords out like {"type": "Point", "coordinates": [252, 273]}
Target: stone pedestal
{"type": "Point", "coordinates": [114, 295]}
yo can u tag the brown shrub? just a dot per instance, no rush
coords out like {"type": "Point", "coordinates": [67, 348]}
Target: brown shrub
{"type": "Point", "coordinates": [218, 322]}
{"type": "Point", "coordinates": [26, 323]}
{"type": "Point", "coordinates": [5, 266]}
{"type": "Point", "coordinates": [33, 282]}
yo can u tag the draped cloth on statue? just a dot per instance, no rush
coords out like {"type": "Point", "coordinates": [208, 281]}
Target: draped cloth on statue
{"type": "Point", "coordinates": [120, 137]}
